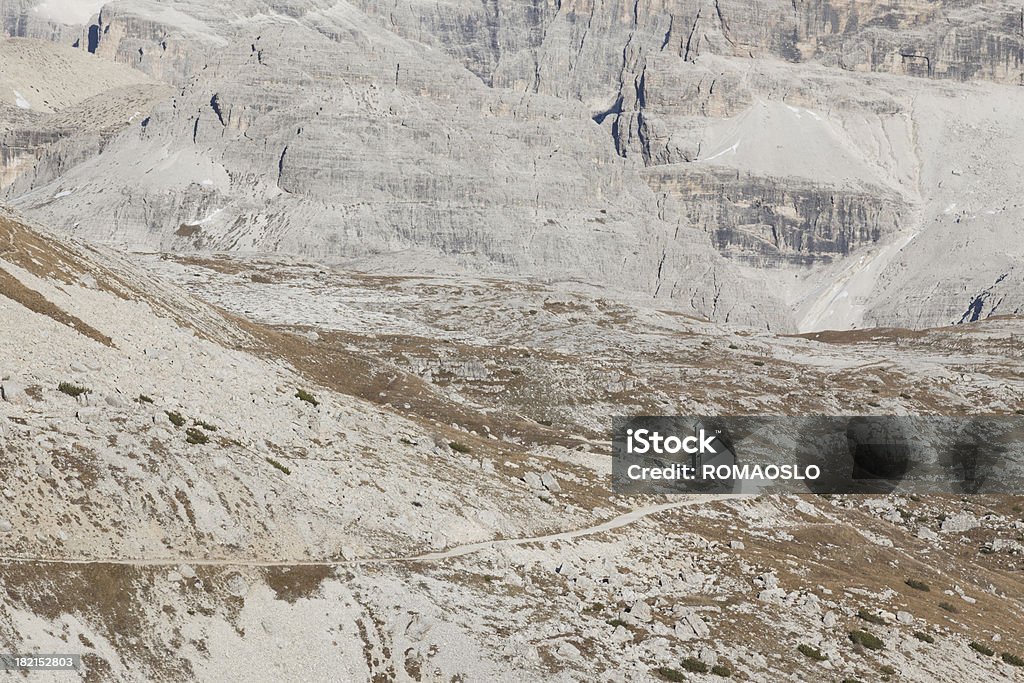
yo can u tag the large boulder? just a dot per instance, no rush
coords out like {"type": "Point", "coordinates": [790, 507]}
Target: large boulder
{"type": "Point", "coordinates": [12, 392]}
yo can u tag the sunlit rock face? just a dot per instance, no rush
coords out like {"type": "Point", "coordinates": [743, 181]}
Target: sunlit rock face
{"type": "Point", "coordinates": [690, 151]}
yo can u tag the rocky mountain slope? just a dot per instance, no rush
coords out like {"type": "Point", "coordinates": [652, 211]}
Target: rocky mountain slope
{"type": "Point", "coordinates": [190, 495]}
{"type": "Point", "coordinates": [833, 151]}
{"type": "Point", "coordinates": [314, 315]}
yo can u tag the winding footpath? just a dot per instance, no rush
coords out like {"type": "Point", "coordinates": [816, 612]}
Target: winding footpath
{"type": "Point", "coordinates": [617, 522]}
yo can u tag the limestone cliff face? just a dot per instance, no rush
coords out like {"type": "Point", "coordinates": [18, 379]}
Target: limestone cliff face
{"type": "Point", "coordinates": [661, 147]}
{"type": "Point", "coordinates": [565, 47]}
{"type": "Point", "coordinates": [768, 222]}
{"type": "Point", "coordinates": [323, 134]}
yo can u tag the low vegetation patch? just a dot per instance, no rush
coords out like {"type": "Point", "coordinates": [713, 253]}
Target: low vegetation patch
{"type": "Point", "coordinates": [459, 447]}
{"type": "Point", "coordinates": [924, 637]}
{"type": "Point", "coordinates": [176, 419]}
{"type": "Point", "coordinates": [206, 425]}
{"type": "Point", "coordinates": [309, 398]}
{"type": "Point", "coordinates": [196, 436]}
{"type": "Point", "coordinates": [670, 674]}
{"type": "Point", "coordinates": [144, 399]}
{"type": "Point", "coordinates": [870, 617]}
{"type": "Point", "coordinates": [72, 390]}
{"type": "Point", "coordinates": [276, 464]}
{"type": "Point", "coordinates": [918, 585]}
{"type": "Point", "coordinates": [694, 665]}
{"type": "Point", "coordinates": [982, 648]}
{"type": "Point", "coordinates": [1012, 659]}
{"type": "Point", "coordinates": [721, 670]}
{"type": "Point", "coordinates": [949, 607]}
{"type": "Point", "coordinates": [812, 652]}
{"type": "Point", "coordinates": [865, 639]}
{"type": "Point", "coordinates": [617, 622]}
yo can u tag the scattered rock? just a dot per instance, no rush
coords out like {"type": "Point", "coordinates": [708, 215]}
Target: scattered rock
{"type": "Point", "coordinates": [533, 480]}
{"type": "Point", "coordinates": [237, 586]}
{"type": "Point", "coordinates": [418, 627]}
{"type": "Point", "coordinates": [691, 626]}
{"type": "Point", "coordinates": [114, 401]}
{"type": "Point", "coordinates": [904, 617]}
{"type": "Point", "coordinates": [567, 650]}
{"type": "Point", "coordinates": [641, 611]}
{"type": "Point", "coordinates": [5, 526]}
{"type": "Point", "coordinates": [771, 595]}
{"type": "Point", "coordinates": [959, 523]}
{"type": "Point", "coordinates": [89, 414]}
{"type": "Point", "coordinates": [621, 635]}
{"type": "Point", "coordinates": [806, 508]}
{"type": "Point", "coordinates": [708, 656]}
{"type": "Point", "coordinates": [13, 392]}
{"type": "Point", "coordinates": [549, 482]}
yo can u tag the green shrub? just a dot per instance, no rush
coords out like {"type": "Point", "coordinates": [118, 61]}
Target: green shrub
{"type": "Point", "coordinates": [1012, 659]}
{"type": "Point", "coordinates": [812, 652]}
{"type": "Point", "coordinates": [309, 398]}
{"type": "Point", "coordinates": [694, 665]}
{"type": "Point", "coordinates": [949, 607]}
{"type": "Point", "coordinates": [887, 670]}
{"type": "Point", "coordinates": [918, 585]}
{"type": "Point", "coordinates": [759, 363]}
{"type": "Point", "coordinates": [865, 639]}
{"type": "Point", "coordinates": [982, 648]}
{"type": "Point", "coordinates": [276, 464]}
{"type": "Point", "coordinates": [870, 617]}
{"type": "Point", "coordinates": [144, 399]}
{"type": "Point", "coordinates": [721, 670]}
{"type": "Point", "coordinates": [458, 447]}
{"type": "Point", "coordinates": [924, 637]}
{"type": "Point", "coordinates": [851, 680]}
{"type": "Point", "coordinates": [176, 419]}
{"type": "Point", "coordinates": [196, 436]}
{"type": "Point", "coordinates": [670, 674]}
{"type": "Point", "coordinates": [72, 390]}
{"type": "Point", "coordinates": [205, 425]}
